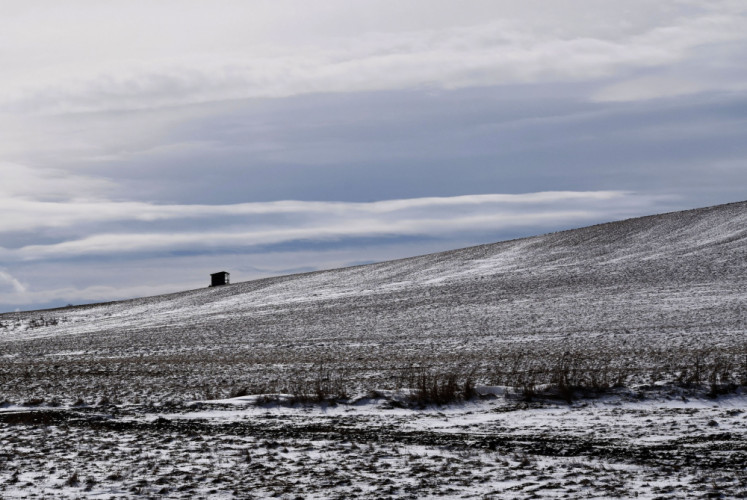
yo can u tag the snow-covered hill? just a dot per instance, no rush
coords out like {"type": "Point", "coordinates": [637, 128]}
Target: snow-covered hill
{"type": "Point", "coordinates": [658, 290]}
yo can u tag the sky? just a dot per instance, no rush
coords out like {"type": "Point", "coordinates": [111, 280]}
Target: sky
{"type": "Point", "coordinates": [144, 145]}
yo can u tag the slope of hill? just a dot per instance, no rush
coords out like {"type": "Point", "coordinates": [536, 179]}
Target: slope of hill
{"type": "Point", "coordinates": [123, 399]}
{"type": "Point", "coordinates": [635, 301]}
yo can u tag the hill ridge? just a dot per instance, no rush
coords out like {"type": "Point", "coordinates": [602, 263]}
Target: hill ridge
{"type": "Point", "coordinates": [548, 238]}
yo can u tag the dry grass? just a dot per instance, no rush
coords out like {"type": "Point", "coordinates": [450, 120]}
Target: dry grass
{"type": "Point", "coordinates": [435, 378]}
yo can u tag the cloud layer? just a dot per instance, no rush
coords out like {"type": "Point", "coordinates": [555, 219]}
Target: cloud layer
{"type": "Point", "coordinates": [221, 227]}
{"type": "Point", "coordinates": [508, 45]}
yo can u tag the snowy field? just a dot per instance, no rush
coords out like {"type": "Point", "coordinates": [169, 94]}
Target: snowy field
{"type": "Point", "coordinates": [613, 447]}
{"type": "Point", "coordinates": [602, 362]}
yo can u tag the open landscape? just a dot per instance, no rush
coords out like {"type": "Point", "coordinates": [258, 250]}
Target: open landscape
{"type": "Point", "coordinates": [607, 361]}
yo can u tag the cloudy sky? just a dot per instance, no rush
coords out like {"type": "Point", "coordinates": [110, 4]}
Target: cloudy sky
{"type": "Point", "coordinates": [146, 144]}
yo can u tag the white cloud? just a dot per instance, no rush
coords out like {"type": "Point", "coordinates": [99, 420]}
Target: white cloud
{"type": "Point", "coordinates": [372, 227]}
{"type": "Point", "coordinates": [8, 281]}
{"type": "Point", "coordinates": [313, 221]}
{"type": "Point", "coordinates": [28, 215]}
{"type": "Point", "coordinates": [719, 69]}
{"type": "Point", "coordinates": [649, 87]}
{"type": "Point", "coordinates": [23, 188]}
{"type": "Point", "coordinates": [509, 45]}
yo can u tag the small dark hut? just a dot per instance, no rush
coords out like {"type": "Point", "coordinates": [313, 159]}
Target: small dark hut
{"type": "Point", "coordinates": [218, 279]}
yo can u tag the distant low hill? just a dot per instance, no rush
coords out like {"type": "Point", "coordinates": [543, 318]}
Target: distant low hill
{"type": "Point", "coordinates": [635, 301]}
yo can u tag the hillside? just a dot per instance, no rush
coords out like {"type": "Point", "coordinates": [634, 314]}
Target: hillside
{"type": "Point", "coordinates": [637, 301]}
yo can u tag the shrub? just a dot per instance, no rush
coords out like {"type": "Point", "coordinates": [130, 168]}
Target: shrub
{"type": "Point", "coordinates": [73, 480]}
{"type": "Point", "coordinates": [431, 387]}
{"type": "Point", "coordinates": [239, 392]}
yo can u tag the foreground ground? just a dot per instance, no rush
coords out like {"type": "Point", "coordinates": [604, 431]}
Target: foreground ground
{"type": "Point", "coordinates": [666, 447]}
